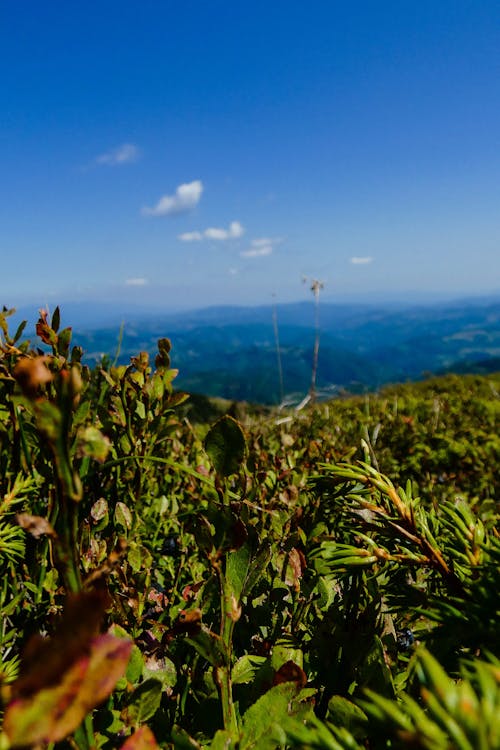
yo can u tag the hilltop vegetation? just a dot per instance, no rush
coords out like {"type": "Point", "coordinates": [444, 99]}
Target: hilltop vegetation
{"type": "Point", "coordinates": [323, 578]}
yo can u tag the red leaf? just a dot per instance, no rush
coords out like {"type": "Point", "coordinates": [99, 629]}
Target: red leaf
{"type": "Point", "coordinates": [44, 660]}
{"type": "Point", "coordinates": [44, 331]}
{"type": "Point", "coordinates": [290, 672]}
{"type": "Point", "coordinates": [64, 677]}
{"type": "Point", "coordinates": [54, 712]}
{"type": "Point", "coordinates": [31, 373]}
{"type": "Point", "coordinates": [143, 739]}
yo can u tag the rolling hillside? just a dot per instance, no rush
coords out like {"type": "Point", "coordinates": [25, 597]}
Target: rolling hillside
{"type": "Point", "coordinates": [231, 351]}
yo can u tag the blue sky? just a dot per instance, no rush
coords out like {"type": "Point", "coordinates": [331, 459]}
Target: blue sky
{"type": "Point", "coordinates": [195, 153]}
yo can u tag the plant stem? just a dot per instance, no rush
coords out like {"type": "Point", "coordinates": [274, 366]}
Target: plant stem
{"type": "Point", "coordinates": [316, 287]}
{"type": "Point", "coordinates": [223, 673]}
{"type": "Point", "coordinates": [278, 353]}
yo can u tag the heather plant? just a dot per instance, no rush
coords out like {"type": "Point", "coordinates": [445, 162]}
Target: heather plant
{"type": "Point", "coordinates": [254, 583]}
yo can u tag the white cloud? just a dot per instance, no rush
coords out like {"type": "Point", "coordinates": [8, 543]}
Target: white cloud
{"type": "Point", "coordinates": [124, 154]}
{"type": "Point", "coordinates": [186, 197]}
{"type": "Point", "coordinates": [261, 246]}
{"type": "Point", "coordinates": [361, 261]}
{"type": "Point", "coordinates": [257, 252]}
{"type": "Point", "coordinates": [190, 236]}
{"type": "Point", "coordinates": [234, 231]}
{"type": "Point", "coordinates": [138, 281]}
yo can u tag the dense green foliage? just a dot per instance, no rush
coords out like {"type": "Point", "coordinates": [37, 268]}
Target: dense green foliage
{"type": "Point", "coordinates": [259, 583]}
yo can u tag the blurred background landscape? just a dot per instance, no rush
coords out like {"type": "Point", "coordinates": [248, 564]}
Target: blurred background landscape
{"type": "Point", "coordinates": [233, 352]}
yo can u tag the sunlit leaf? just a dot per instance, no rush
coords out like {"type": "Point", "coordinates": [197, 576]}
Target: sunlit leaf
{"type": "Point", "coordinates": [123, 515]}
{"type": "Point", "coordinates": [94, 444]}
{"type": "Point", "coordinates": [99, 510]}
{"type": "Point", "coordinates": [237, 570]}
{"type": "Point", "coordinates": [261, 722]}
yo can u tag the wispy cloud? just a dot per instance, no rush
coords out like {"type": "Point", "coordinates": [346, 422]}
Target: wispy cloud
{"type": "Point", "coordinates": [234, 231]}
{"type": "Point", "coordinates": [137, 281]}
{"type": "Point", "coordinates": [257, 252]}
{"type": "Point", "coordinates": [186, 197]}
{"type": "Point", "coordinates": [264, 241]}
{"type": "Point", "coordinates": [124, 154]}
{"type": "Point", "coordinates": [190, 236]}
{"type": "Point", "coordinates": [261, 247]}
{"type": "Point", "coordinates": [361, 260]}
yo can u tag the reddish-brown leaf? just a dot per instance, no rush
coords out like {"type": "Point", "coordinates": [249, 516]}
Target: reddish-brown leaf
{"type": "Point", "coordinates": [295, 568]}
{"type": "Point", "coordinates": [44, 660]}
{"type": "Point", "coordinates": [54, 712]}
{"type": "Point", "coordinates": [143, 739]}
{"type": "Point", "coordinates": [31, 373]}
{"type": "Point", "coordinates": [43, 329]}
{"type": "Point", "coordinates": [35, 525]}
{"type": "Point", "coordinates": [290, 672]}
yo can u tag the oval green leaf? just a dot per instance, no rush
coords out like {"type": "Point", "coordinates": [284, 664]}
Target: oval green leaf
{"type": "Point", "coordinates": [226, 446]}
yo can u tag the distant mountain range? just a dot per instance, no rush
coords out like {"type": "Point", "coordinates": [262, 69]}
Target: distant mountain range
{"type": "Point", "coordinates": [232, 352]}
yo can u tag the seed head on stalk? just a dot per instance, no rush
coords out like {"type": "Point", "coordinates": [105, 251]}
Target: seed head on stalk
{"type": "Point", "coordinates": [316, 287]}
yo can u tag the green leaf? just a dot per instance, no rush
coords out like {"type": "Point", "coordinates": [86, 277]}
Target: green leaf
{"type": "Point", "coordinates": [182, 740]}
{"type": "Point", "coordinates": [63, 342]}
{"type": "Point", "coordinates": [99, 510]}
{"type": "Point", "coordinates": [49, 419]}
{"type": "Point", "coordinates": [237, 569]}
{"type": "Point", "coordinates": [375, 670]}
{"type": "Point", "coordinates": [51, 581]}
{"type": "Point", "coordinates": [145, 701]}
{"type": "Point", "coordinates": [286, 649]}
{"type": "Point", "coordinates": [263, 721]}
{"type": "Point", "coordinates": [157, 387]}
{"type": "Point", "coordinates": [344, 713]}
{"type": "Point", "coordinates": [92, 443]}
{"type": "Point", "coordinates": [257, 568]}
{"type": "Point", "coordinates": [246, 668]}
{"type": "Point", "coordinates": [123, 515]}
{"type": "Point", "coordinates": [135, 665]}
{"type": "Point", "coordinates": [138, 557]}
{"type": "Point", "coordinates": [56, 319]}
{"type": "Point", "coordinates": [177, 398]}
{"type": "Point", "coordinates": [326, 591]}
{"type": "Point", "coordinates": [222, 741]}
{"type": "Point", "coordinates": [140, 410]}
{"type": "Point", "coordinates": [226, 446]}
{"type": "Point", "coordinates": [162, 669]}
{"type": "Point", "coordinates": [210, 646]}
{"type": "Point", "coordinates": [19, 331]}
{"type": "Point", "coordinates": [82, 413]}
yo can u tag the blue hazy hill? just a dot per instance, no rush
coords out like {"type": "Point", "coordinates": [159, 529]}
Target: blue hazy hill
{"type": "Point", "coordinates": [231, 351]}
